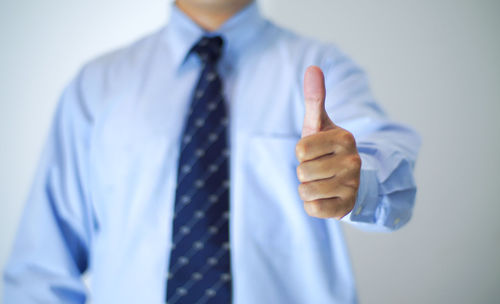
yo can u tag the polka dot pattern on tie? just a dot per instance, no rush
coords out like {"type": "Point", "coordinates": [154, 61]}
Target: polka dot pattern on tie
{"type": "Point", "coordinates": [199, 269]}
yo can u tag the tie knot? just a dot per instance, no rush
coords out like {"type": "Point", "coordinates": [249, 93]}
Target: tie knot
{"type": "Point", "coordinates": [209, 49]}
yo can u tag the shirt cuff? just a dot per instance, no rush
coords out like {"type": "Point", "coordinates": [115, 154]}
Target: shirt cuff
{"type": "Point", "coordinates": [368, 195]}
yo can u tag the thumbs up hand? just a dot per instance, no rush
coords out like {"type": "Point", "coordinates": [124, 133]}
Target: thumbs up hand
{"type": "Point", "coordinates": [330, 165]}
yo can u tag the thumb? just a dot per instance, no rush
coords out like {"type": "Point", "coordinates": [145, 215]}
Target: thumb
{"type": "Point", "coordinates": [316, 119]}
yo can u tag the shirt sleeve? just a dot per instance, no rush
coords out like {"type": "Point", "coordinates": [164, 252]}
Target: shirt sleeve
{"type": "Point", "coordinates": [388, 149]}
{"type": "Point", "coordinates": [50, 251]}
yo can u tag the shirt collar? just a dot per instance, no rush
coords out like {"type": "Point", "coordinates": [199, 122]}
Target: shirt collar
{"type": "Point", "coordinates": [182, 33]}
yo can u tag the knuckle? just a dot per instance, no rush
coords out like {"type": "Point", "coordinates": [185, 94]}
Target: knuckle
{"type": "Point", "coordinates": [355, 161]}
{"type": "Point", "coordinates": [355, 182]}
{"type": "Point", "coordinates": [303, 191]}
{"type": "Point", "coordinates": [348, 138]}
{"type": "Point", "coordinates": [301, 173]}
{"type": "Point", "coordinates": [300, 150]}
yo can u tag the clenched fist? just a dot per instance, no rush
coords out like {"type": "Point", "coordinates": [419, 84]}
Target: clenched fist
{"type": "Point", "coordinates": [330, 165]}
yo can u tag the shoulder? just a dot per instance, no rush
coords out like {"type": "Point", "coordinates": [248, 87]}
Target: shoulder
{"type": "Point", "coordinates": [293, 52]}
{"type": "Point", "coordinates": [117, 65]}
{"type": "Point", "coordinates": [299, 51]}
{"type": "Point", "coordinates": [304, 50]}
{"type": "Point", "coordinates": [101, 77]}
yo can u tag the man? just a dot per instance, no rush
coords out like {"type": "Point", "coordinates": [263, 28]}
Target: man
{"type": "Point", "coordinates": [170, 171]}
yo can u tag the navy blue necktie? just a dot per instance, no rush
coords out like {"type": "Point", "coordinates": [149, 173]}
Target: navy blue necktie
{"type": "Point", "coordinates": [199, 270]}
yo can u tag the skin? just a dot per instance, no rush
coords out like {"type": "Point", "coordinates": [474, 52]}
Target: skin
{"type": "Point", "coordinates": [211, 14]}
{"type": "Point", "coordinates": [330, 166]}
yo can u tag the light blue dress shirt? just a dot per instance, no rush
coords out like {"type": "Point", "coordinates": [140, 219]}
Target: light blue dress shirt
{"type": "Point", "coordinates": [103, 195]}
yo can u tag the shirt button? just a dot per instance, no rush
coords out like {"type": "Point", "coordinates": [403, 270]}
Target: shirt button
{"type": "Point", "coordinates": [396, 221]}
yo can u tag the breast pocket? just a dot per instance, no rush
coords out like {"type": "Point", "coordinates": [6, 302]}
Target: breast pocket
{"type": "Point", "coordinates": [272, 203]}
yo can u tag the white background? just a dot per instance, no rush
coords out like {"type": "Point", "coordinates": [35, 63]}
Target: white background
{"type": "Point", "coordinates": [434, 64]}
